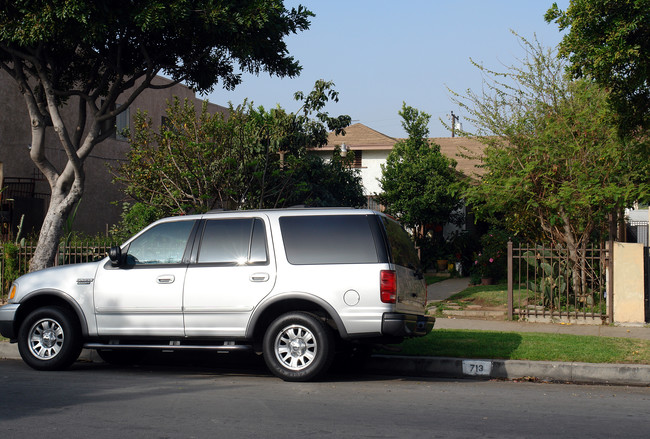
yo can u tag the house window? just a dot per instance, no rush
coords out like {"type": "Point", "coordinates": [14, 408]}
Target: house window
{"type": "Point", "coordinates": [122, 124]}
{"type": "Point", "coordinates": [357, 159]}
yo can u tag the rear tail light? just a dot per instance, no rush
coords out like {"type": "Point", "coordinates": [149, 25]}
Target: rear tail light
{"type": "Point", "coordinates": [388, 286]}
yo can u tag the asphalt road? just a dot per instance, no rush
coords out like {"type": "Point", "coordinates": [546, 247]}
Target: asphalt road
{"type": "Point", "coordinates": [199, 398]}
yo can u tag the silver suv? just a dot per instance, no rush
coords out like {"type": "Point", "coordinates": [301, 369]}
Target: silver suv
{"type": "Point", "coordinates": [294, 284]}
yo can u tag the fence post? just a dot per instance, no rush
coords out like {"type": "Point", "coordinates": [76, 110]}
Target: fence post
{"type": "Point", "coordinates": [610, 265]}
{"type": "Point", "coordinates": [510, 277]}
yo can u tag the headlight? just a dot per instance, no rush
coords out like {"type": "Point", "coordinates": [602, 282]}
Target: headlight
{"type": "Point", "coordinates": [12, 292]}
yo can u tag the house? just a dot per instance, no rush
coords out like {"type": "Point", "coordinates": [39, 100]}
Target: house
{"type": "Point", "coordinates": [25, 190]}
{"type": "Point", "coordinates": [371, 148]}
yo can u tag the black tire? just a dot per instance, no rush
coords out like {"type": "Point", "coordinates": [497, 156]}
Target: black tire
{"type": "Point", "coordinates": [298, 346]}
{"type": "Point", "coordinates": [49, 339]}
{"type": "Point", "coordinates": [121, 357]}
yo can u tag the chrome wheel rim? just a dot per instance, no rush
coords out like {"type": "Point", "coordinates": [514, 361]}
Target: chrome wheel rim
{"type": "Point", "coordinates": [295, 347]}
{"type": "Point", "coordinates": [46, 339]}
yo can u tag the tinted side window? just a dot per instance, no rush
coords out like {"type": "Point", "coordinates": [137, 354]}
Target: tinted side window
{"type": "Point", "coordinates": [401, 247]}
{"type": "Point", "coordinates": [234, 241]}
{"type": "Point", "coordinates": [162, 244]}
{"type": "Point", "coordinates": [328, 239]}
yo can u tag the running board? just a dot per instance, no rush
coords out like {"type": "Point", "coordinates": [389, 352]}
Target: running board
{"type": "Point", "coordinates": [170, 347]}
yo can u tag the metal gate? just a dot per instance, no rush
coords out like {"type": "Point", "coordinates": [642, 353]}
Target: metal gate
{"type": "Point", "coordinates": [544, 282]}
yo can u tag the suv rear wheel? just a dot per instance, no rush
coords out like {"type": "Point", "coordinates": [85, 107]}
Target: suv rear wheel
{"type": "Point", "coordinates": [298, 346]}
{"type": "Point", "coordinates": [49, 339]}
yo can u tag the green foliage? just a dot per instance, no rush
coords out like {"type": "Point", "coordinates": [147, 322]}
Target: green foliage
{"type": "Point", "coordinates": [551, 275]}
{"type": "Point", "coordinates": [418, 181]}
{"type": "Point", "coordinates": [10, 266]}
{"type": "Point", "coordinates": [492, 260]}
{"type": "Point", "coordinates": [312, 181]}
{"type": "Point", "coordinates": [134, 217]}
{"type": "Point", "coordinates": [197, 41]}
{"type": "Point", "coordinates": [609, 41]}
{"type": "Point", "coordinates": [555, 167]}
{"type": "Point", "coordinates": [253, 158]}
{"type": "Point", "coordinates": [99, 56]}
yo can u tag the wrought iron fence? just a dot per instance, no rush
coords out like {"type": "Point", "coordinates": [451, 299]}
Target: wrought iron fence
{"type": "Point", "coordinates": [549, 282]}
{"type": "Point", "coordinates": [14, 259]}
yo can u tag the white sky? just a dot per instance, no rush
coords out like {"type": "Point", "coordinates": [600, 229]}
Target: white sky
{"type": "Point", "coordinates": [382, 53]}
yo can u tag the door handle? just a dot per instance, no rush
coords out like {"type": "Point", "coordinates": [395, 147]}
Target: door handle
{"type": "Point", "coordinates": [259, 277]}
{"type": "Point", "coordinates": [165, 279]}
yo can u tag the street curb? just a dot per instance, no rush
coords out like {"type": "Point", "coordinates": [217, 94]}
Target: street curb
{"type": "Point", "coordinates": [592, 373]}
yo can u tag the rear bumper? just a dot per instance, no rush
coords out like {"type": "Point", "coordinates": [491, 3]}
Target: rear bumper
{"type": "Point", "coordinates": [7, 318]}
{"type": "Point", "coordinates": [406, 325]}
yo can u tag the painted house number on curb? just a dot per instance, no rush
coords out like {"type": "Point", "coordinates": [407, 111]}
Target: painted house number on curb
{"type": "Point", "coordinates": [478, 368]}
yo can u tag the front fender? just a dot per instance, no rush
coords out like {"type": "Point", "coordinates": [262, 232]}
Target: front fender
{"type": "Point", "coordinates": [50, 297]}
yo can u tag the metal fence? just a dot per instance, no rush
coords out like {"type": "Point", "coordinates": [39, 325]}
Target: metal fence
{"type": "Point", "coordinates": [547, 282]}
{"type": "Point", "coordinates": [14, 260]}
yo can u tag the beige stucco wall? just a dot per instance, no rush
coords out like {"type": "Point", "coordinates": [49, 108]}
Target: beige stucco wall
{"type": "Point", "coordinates": [629, 306]}
{"type": "Point", "coordinates": [370, 170]}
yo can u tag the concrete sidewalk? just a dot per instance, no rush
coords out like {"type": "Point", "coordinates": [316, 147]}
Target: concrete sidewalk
{"type": "Point", "coordinates": [444, 289]}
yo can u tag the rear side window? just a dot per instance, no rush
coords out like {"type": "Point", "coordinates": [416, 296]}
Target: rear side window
{"type": "Point", "coordinates": [234, 241]}
{"type": "Point", "coordinates": [401, 247]}
{"type": "Point", "coordinates": [328, 239]}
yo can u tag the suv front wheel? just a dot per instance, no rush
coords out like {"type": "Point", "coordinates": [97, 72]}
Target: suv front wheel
{"type": "Point", "coordinates": [49, 339]}
{"type": "Point", "coordinates": [298, 346]}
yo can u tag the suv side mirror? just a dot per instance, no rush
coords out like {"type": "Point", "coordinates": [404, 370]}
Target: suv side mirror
{"type": "Point", "coordinates": [115, 255]}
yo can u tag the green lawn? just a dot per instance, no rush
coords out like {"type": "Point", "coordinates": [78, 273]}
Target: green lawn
{"type": "Point", "coordinates": [484, 295]}
{"type": "Point", "coordinates": [528, 346]}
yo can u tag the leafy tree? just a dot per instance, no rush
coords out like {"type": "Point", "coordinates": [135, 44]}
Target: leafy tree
{"type": "Point", "coordinates": [554, 162]}
{"type": "Point", "coordinates": [90, 54]}
{"type": "Point", "coordinates": [609, 41]}
{"type": "Point", "coordinates": [134, 217]}
{"type": "Point", "coordinates": [252, 158]}
{"type": "Point", "coordinates": [313, 181]}
{"type": "Point", "coordinates": [417, 181]}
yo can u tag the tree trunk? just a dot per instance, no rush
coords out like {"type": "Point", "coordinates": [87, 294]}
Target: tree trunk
{"type": "Point", "coordinates": [61, 203]}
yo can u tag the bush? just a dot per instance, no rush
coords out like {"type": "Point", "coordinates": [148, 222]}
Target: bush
{"type": "Point", "coordinates": [135, 217]}
{"type": "Point", "coordinates": [492, 260]}
{"type": "Point", "coordinates": [11, 270]}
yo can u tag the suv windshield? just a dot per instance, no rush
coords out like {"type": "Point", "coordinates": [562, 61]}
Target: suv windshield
{"type": "Point", "coordinates": [401, 247]}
